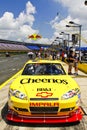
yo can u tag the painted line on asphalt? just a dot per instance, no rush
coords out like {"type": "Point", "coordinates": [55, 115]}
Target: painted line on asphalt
{"type": "Point", "coordinates": [7, 81]}
{"type": "Point", "coordinates": [83, 110]}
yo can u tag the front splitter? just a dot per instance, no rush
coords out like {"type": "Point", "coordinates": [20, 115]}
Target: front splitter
{"type": "Point", "coordinates": [77, 116]}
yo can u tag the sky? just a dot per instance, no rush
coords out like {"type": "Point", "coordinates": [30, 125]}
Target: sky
{"type": "Point", "coordinates": [48, 18]}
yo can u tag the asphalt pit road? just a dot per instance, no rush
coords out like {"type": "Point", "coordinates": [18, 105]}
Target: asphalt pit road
{"type": "Point", "coordinates": [83, 111]}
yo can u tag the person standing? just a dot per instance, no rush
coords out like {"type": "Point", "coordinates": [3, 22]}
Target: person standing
{"type": "Point", "coordinates": [71, 62]}
{"type": "Point", "coordinates": [76, 63]}
{"type": "Point", "coordinates": [54, 55]}
{"type": "Point", "coordinates": [62, 55]}
{"type": "Point", "coordinates": [58, 56]}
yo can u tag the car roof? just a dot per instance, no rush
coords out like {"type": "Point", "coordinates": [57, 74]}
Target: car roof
{"type": "Point", "coordinates": [43, 61]}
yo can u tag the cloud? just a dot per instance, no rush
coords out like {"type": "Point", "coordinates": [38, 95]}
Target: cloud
{"type": "Point", "coordinates": [76, 9]}
{"type": "Point", "coordinates": [7, 21]}
{"type": "Point", "coordinates": [20, 27]}
{"type": "Point", "coordinates": [77, 13]}
{"type": "Point", "coordinates": [30, 9]}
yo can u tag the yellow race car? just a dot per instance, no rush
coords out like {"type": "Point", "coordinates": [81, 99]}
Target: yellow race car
{"type": "Point", "coordinates": [44, 93]}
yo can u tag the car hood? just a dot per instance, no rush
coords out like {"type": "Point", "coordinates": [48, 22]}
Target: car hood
{"type": "Point", "coordinates": [44, 86]}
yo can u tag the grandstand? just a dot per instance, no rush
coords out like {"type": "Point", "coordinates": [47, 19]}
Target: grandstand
{"type": "Point", "coordinates": [7, 45]}
{"type": "Point", "coordinates": [11, 46]}
{"type": "Point", "coordinates": [16, 46]}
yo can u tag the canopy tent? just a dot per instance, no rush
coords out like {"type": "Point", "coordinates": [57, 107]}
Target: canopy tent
{"type": "Point", "coordinates": [81, 48]}
{"type": "Point", "coordinates": [33, 47]}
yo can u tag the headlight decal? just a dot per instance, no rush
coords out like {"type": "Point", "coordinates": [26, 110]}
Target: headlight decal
{"type": "Point", "coordinates": [17, 94]}
{"type": "Point", "coordinates": [71, 94]}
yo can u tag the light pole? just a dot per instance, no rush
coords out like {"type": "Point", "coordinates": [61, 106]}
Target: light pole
{"type": "Point", "coordinates": [68, 38]}
{"type": "Point", "coordinates": [58, 38]}
{"type": "Point", "coordinates": [79, 26]}
{"type": "Point", "coordinates": [59, 44]}
{"type": "Point", "coordinates": [54, 43]}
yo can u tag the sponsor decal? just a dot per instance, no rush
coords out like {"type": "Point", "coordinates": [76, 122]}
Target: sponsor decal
{"type": "Point", "coordinates": [44, 94]}
{"type": "Point", "coordinates": [43, 104]}
{"type": "Point", "coordinates": [30, 80]}
{"type": "Point", "coordinates": [43, 89]}
{"type": "Point", "coordinates": [34, 36]}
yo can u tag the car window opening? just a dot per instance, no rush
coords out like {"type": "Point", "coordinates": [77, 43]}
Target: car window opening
{"type": "Point", "coordinates": [43, 69]}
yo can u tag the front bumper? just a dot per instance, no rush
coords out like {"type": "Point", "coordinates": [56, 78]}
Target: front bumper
{"type": "Point", "coordinates": [73, 117]}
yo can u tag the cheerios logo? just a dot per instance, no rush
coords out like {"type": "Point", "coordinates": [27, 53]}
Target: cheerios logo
{"type": "Point", "coordinates": [30, 80]}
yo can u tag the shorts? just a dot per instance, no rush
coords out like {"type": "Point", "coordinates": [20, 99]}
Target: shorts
{"type": "Point", "coordinates": [70, 65]}
{"type": "Point", "coordinates": [76, 64]}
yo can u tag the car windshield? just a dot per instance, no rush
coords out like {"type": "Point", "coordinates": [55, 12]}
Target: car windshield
{"type": "Point", "coordinates": [43, 69]}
